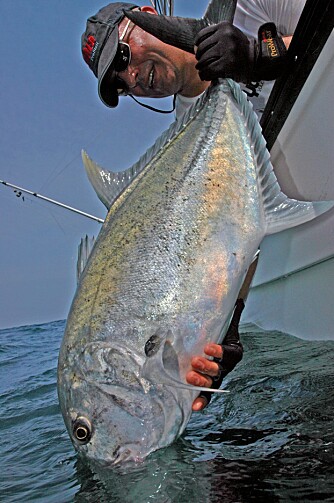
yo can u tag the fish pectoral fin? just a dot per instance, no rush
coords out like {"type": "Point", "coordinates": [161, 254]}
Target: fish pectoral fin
{"type": "Point", "coordinates": [170, 360]}
{"type": "Point", "coordinates": [163, 368]}
{"type": "Point", "coordinates": [172, 371]}
{"type": "Point", "coordinates": [162, 363]}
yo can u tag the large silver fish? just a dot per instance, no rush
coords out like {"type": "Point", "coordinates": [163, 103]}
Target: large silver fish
{"type": "Point", "coordinates": [183, 226]}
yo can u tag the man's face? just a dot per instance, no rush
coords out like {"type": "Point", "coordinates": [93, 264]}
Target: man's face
{"type": "Point", "coordinates": [156, 69]}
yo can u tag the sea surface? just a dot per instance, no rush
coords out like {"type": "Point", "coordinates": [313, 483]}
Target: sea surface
{"type": "Point", "coordinates": [270, 439]}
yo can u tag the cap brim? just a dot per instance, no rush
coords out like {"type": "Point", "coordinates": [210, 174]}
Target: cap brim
{"type": "Point", "coordinates": [107, 89]}
{"type": "Point", "coordinates": [108, 95]}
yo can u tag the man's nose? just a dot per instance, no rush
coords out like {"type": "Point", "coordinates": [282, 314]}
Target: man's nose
{"type": "Point", "coordinates": [130, 76]}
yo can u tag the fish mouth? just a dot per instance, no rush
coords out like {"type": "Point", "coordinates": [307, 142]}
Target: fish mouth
{"type": "Point", "coordinates": [124, 427]}
{"type": "Point", "coordinates": [126, 454]}
{"type": "Point", "coordinates": [126, 430]}
{"type": "Point", "coordinates": [121, 456]}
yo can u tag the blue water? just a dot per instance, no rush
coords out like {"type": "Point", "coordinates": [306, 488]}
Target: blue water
{"type": "Point", "coordinates": [271, 439]}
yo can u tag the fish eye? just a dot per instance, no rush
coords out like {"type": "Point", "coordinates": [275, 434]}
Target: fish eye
{"type": "Point", "coordinates": [82, 430]}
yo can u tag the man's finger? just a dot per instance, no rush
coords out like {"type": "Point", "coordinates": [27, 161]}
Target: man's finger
{"type": "Point", "coordinates": [205, 366]}
{"type": "Point", "coordinates": [199, 403]}
{"type": "Point", "coordinates": [197, 379]}
{"type": "Point", "coordinates": [204, 34]}
{"type": "Point", "coordinates": [214, 350]}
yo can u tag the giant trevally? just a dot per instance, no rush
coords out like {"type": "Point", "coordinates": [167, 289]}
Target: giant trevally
{"type": "Point", "coordinates": [183, 226]}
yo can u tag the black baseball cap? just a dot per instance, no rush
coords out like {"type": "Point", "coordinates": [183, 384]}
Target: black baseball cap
{"type": "Point", "coordinates": [99, 45]}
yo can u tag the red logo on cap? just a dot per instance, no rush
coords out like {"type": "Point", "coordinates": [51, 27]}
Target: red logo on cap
{"type": "Point", "coordinates": [88, 49]}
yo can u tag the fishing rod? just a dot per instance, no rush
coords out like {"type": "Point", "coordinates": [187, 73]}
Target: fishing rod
{"type": "Point", "coordinates": [52, 201]}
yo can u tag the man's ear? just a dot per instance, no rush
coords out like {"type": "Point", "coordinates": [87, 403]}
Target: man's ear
{"type": "Point", "coordinates": [148, 9]}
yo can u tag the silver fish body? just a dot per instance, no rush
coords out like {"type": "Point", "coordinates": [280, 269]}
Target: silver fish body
{"type": "Point", "coordinates": [164, 275]}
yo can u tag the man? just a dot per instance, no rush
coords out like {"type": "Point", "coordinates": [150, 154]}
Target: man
{"type": "Point", "coordinates": [157, 69]}
{"type": "Point", "coordinates": [129, 61]}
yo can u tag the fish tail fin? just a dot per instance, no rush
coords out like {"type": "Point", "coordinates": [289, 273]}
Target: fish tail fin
{"type": "Point", "coordinates": [181, 32]}
{"type": "Point", "coordinates": [219, 10]}
{"type": "Point", "coordinates": [177, 31]}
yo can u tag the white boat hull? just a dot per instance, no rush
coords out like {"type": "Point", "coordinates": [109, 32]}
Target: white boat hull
{"type": "Point", "coordinates": [293, 286]}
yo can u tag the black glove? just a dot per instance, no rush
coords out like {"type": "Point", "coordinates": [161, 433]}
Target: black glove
{"type": "Point", "coordinates": [223, 51]}
{"type": "Point", "coordinates": [232, 350]}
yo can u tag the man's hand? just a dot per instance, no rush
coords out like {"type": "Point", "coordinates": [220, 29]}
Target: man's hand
{"type": "Point", "coordinates": [209, 373]}
{"type": "Point", "coordinates": [202, 369]}
{"type": "Point", "coordinates": [223, 51]}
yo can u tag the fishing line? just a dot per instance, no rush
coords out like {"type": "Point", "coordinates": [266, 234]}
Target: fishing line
{"type": "Point", "coordinates": [58, 223]}
{"type": "Point", "coordinates": [53, 175]}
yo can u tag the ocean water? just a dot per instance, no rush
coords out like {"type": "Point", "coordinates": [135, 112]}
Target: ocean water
{"type": "Point", "coordinates": [270, 440]}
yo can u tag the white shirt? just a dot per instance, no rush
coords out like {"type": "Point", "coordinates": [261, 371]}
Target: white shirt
{"type": "Point", "coordinates": [249, 16]}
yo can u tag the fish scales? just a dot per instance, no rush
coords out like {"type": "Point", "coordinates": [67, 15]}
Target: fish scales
{"type": "Point", "coordinates": [172, 214]}
{"type": "Point", "coordinates": [163, 277]}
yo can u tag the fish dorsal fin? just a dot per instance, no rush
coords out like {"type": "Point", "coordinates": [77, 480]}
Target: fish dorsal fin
{"type": "Point", "coordinates": [280, 211]}
{"type": "Point", "coordinates": [84, 250]}
{"type": "Point", "coordinates": [218, 11]}
{"type": "Point", "coordinates": [109, 184]}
